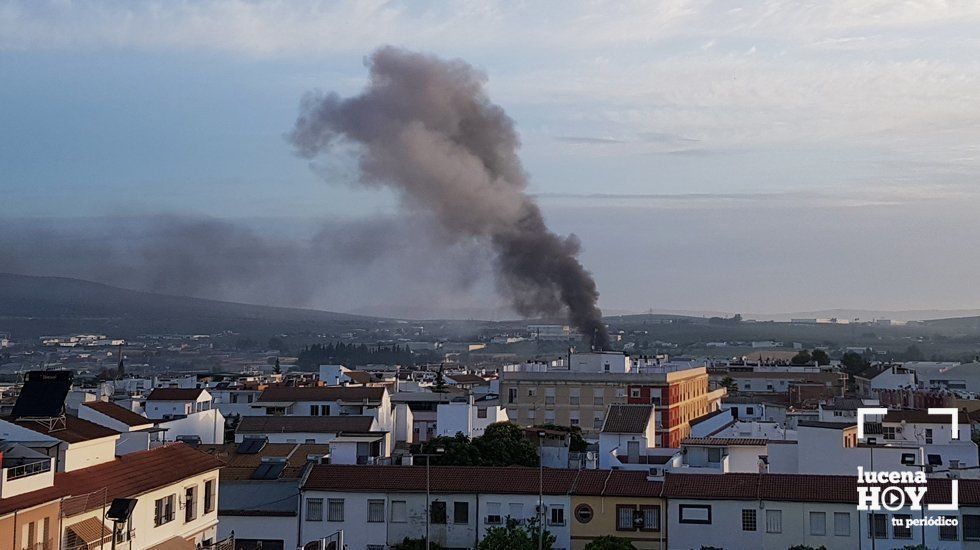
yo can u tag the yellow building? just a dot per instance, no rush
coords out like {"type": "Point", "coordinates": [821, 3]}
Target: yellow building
{"type": "Point", "coordinates": [623, 504]}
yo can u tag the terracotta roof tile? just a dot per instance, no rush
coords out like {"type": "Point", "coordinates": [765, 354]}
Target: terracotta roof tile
{"type": "Point", "coordinates": [174, 394]}
{"type": "Point", "coordinates": [116, 412]}
{"type": "Point", "coordinates": [241, 466]}
{"type": "Point", "coordinates": [726, 441]}
{"type": "Point", "coordinates": [629, 419]}
{"type": "Point", "coordinates": [321, 393]}
{"type": "Point", "coordinates": [76, 430]}
{"type": "Point", "coordinates": [304, 424]}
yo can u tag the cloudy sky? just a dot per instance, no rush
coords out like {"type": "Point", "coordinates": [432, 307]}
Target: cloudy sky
{"type": "Point", "coordinates": [735, 156]}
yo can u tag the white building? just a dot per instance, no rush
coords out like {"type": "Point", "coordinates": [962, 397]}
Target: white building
{"type": "Point", "coordinates": [467, 418]}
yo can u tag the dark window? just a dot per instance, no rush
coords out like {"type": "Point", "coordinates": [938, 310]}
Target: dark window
{"type": "Point", "coordinates": [163, 511]}
{"type": "Point", "coordinates": [624, 518]}
{"type": "Point", "coordinates": [934, 460]}
{"type": "Point", "coordinates": [209, 497]}
{"type": "Point", "coordinates": [749, 520]}
{"type": "Point", "coordinates": [878, 526]}
{"type": "Point", "coordinates": [583, 513]}
{"type": "Point", "coordinates": [899, 530]}
{"type": "Point", "coordinates": [651, 518]}
{"type": "Point", "coordinates": [556, 515]}
{"type": "Point", "coordinates": [258, 544]}
{"type": "Point", "coordinates": [908, 459]}
{"type": "Point", "coordinates": [190, 504]}
{"type": "Point", "coordinates": [949, 532]}
{"type": "Point", "coordinates": [971, 527]}
{"type": "Point", "coordinates": [438, 512]}
{"type": "Point", "coordinates": [314, 509]}
{"type": "Point", "coordinates": [461, 512]}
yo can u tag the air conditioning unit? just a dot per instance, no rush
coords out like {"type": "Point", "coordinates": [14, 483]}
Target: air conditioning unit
{"type": "Point", "coordinates": [540, 509]}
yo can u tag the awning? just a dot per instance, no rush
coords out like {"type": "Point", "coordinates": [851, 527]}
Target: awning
{"type": "Point", "coordinates": [175, 543]}
{"type": "Point", "coordinates": [90, 531]}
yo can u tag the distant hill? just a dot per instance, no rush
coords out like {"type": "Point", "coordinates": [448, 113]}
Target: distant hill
{"type": "Point", "coordinates": [34, 306]}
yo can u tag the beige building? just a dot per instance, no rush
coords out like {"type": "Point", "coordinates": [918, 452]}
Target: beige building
{"type": "Point", "coordinates": [570, 398]}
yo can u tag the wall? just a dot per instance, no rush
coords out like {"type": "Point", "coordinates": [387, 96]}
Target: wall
{"type": "Point", "coordinates": [88, 453]}
{"type": "Point", "coordinates": [604, 522]}
{"type": "Point", "coordinates": [12, 526]}
{"type": "Point", "coordinates": [208, 425]}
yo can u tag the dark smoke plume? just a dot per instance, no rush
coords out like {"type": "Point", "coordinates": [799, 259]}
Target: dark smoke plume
{"type": "Point", "coordinates": [426, 127]}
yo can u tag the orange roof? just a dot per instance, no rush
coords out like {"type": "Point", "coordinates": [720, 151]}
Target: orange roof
{"type": "Point", "coordinates": [116, 412]}
{"type": "Point", "coordinates": [76, 430]}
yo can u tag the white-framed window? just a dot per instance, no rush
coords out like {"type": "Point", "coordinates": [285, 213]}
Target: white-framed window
{"type": "Point", "coordinates": [556, 515]}
{"type": "Point", "coordinates": [399, 511]}
{"type": "Point", "coordinates": [818, 523]}
{"type": "Point", "coordinates": [774, 521]}
{"type": "Point", "coordinates": [335, 509]}
{"type": "Point", "coordinates": [314, 509]}
{"type": "Point", "coordinates": [574, 395]}
{"type": "Point", "coordinates": [549, 396]}
{"type": "Point", "coordinates": [163, 510]}
{"type": "Point", "coordinates": [573, 418]}
{"type": "Point", "coordinates": [842, 524]}
{"type": "Point", "coordinates": [376, 511]}
{"type": "Point", "coordinates": [493, 513]}
{"type": "Point", "coordinates": [694, 513]}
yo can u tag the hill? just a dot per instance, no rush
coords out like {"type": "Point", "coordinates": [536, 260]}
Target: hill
{"type": "Point", "coordinates": [33, 306]}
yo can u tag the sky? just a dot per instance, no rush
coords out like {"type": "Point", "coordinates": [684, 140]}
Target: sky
{"type": "Point", "coordinates": [761, 156]}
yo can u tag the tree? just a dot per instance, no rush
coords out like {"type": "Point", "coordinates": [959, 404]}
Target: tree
{"type": "Point", "coordinates": [729, 384]}
{"type": "Point", "coordinates": [610, 542]}
{"type": "Point", "coordinates": [820, 356]}
{"type": "Point", "coordinates": [440, 385]}
{"type": "Point", "coordinates": [277, 369]}
{"type": "Point", "coordinates": [853, 363]}
{"type": "Point", "coordinates": [912, 353]}
{"type": "Point", "coordinates": [515, 537]}
{"type": "Point", "coordinates": [502, 444]}
{"type": "Point", "coordinates": [802, 358]}
{"type": "Point", "coordinates": [576, 443]}
{"type": "Point", "coordinates": [276, 343]}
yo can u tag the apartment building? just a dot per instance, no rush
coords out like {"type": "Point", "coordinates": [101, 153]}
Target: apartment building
{"type": "Point", "coordinates": [175, 488]}
{"type": "Point", "coordinates": [580, 394]}
{"type": "Point", "coordinates": [380, 506]}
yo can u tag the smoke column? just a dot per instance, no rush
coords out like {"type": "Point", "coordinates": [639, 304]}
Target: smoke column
{"type": "Point", "coordinates": [425, 127]}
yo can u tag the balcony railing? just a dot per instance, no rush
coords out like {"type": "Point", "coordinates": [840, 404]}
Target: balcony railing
{"type": "Point", "coordinates": [29, 469]}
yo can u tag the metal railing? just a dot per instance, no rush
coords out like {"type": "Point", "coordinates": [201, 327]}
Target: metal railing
{"type": "Point", "coordinates": [29, 469]}
{"type": "Point", "coordinates": [42, 545]}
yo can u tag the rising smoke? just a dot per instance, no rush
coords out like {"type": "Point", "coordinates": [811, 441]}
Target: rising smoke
{"type": "Point", "coordinates": [426, 127]}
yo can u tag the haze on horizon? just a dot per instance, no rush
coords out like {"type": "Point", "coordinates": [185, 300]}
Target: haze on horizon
{"type": "Point", "coordinates": [766, 158]}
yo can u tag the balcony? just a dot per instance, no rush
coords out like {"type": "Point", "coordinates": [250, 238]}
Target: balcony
{"type": "Point", "coordinates": [42, 545]}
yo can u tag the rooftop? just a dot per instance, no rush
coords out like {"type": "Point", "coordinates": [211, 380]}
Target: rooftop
{"type": "Point", "coordinates": [321, 393]}
{"type": "Point", "coordinates": [240, 467]}
{"type": "Point", "coordinates": [116, 412]}
{"type": "Point", "coordinates": [75, 430]}
{"type": "Point", "coordinates": [476, 479]}
{"type": "Point", "coordinates": [627, 418]}
{"type": "Point", "coordinates": [304, 424]}
{"type": "Point", "coordinates": [174, 394]}
{"type": "Point", "coordinates": [726, 441]}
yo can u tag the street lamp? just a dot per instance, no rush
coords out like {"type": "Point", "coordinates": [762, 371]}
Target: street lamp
{"type": "Point", "coordinates": [540, 490]}
{"type": "Point", "coordinates": [428, 512]}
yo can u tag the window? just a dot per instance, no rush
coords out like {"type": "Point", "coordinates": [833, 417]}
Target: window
{"type": "Point", "coordinates": [597, 421]}
{"type": "Point", "coordinates": [899, 529]}
{"type": "Point", "coordinates": [749, 520]}
{"type": "Point", "coordinates": [335, 509]}
{"type": "Point", "coordinates": [949, 532]}
{"type": "Point", "coordinates": [842, 524]}
{"type": "Point", "coordinates": [399, 512]}
{"type": "Point", "coordinates": [878, 526]}
{"type": "Point", "coordinates": [190, 504]}
{"type": "Point", "coordinates": [651, 518]}
{"type": "Point", "coordinates": [437, 512]}
{"type": "Point", "coordinates": [818, 523]}
{"type": "Point", "coordinates": [971, 527]}
{"type": "Point", "coordinates": [573, 418]}
{"type": "Point", "coordinates": [549, 417]}
{"type": "Point", "coordinates": [597, 399]}
{"type": "Point", "coordinates": [461, 513]}
{"type": "Point", "coordinates": [209, 499]}
{"type": "Point", "coordinates": [314, 509]}
{"type": "Point", "coordinates": [635, 393]}
{"type": "Point", "coordinates": [573, 396]}
{"type": "Point", "coordinates": [934, 460]}
{"type": "Point", "coordinates": [481, 413]}
{"type": "Point", "coordinates": [749, 411]}
{"type": "Point", "coordinates": [624, 518]}
{"type": "Point", "coordinates": [163, 511]}
{"type": "Point", "coordinates": [512, 395]}
{"type": "Point", "coordinates": [493, 513]}
{"type": "Point", "coordinates": [516, 511]}
{"type": "Point", "coordinates": [774, 521]}
{"type": "Point", "coordinates": [530, 416]}
{"type": "Point", "coordinates": [928, 436]}
{"type": "Point", "coordinates": [908, 459]}
{"type": "Point", "coordinates": [888, 432]}
{"type": "Point", "coordinates": [714, 455]}
{"type": "Point", "coordinates": [376, 511]}
{"type": "Point", "coordinates": [694, 513]}
{"type": "Point", "coordinates": [314, 410]}
{"type": "Point", "coordinates": [549, 396]}
{"type": "Point", "coordinates": [556, 515]}
{"type": "Point", "coordinates": [583, 513]}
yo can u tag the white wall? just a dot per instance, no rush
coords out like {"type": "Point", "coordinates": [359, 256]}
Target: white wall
{"type": "Point", "coordinates": [208, 425]}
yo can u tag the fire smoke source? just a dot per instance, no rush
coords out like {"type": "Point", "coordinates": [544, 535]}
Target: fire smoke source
{"type": "Point", "coordinates": [425, 127]}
